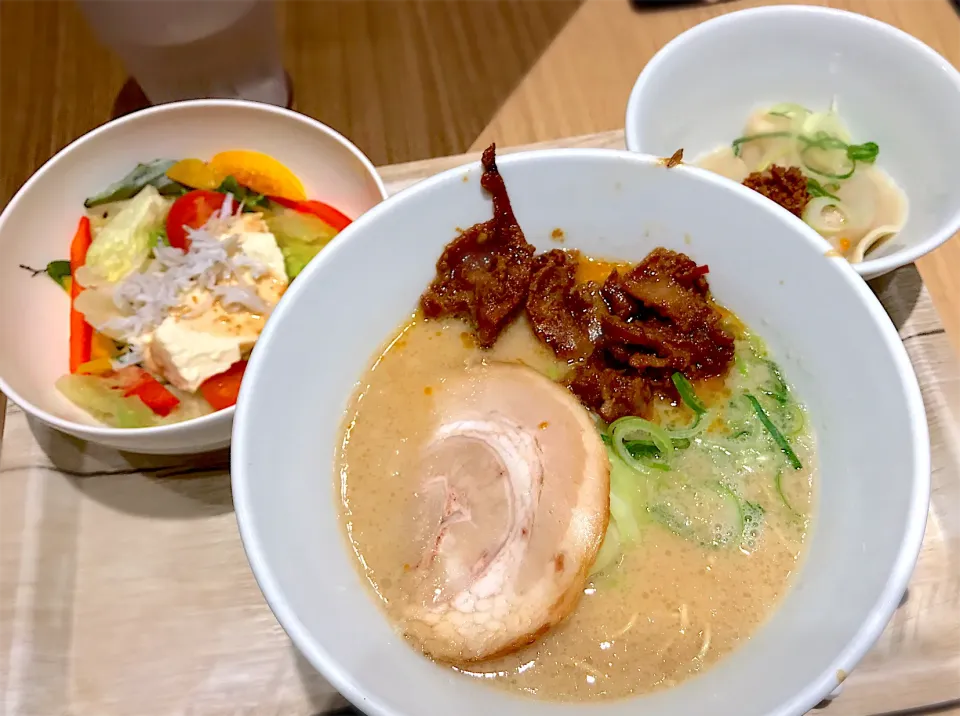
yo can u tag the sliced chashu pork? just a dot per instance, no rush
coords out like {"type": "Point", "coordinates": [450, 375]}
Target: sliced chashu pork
{"type": "Point", "coordinates": [516, 481]}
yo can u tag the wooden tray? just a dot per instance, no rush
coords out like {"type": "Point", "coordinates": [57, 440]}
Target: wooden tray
{"type": "Point", "coordinates": [124, 590]}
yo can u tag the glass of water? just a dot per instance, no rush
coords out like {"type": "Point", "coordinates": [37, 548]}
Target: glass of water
{"type": "Point", "coordinates": [189, 49]}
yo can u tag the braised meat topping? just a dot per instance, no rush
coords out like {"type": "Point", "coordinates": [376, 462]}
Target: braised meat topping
{"type": "Point", "coordinates": [786, 186]}
{"type": "Point", "coordinates": [564, 315]}
{"type": "Point", "coordinates": [625, 338]}
{"type": "Point", "coordinates": [660, 321]}
{"type": "Point", "coordinates": [483, 275]}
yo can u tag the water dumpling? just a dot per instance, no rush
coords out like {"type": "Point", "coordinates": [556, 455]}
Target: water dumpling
{"type": "Point", "coordinates": [515, 499]}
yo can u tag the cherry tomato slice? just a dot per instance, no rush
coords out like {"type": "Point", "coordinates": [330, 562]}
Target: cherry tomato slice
{"type": "Point", "coordinates": [221, 390]}
{"type": "Point", "coordinates": [193, 210]}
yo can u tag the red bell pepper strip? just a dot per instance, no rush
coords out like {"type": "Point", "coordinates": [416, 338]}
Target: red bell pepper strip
{"type": "Point", "coordinates": [326, 213]}
{"type": "Point", "coordinates": [135, 381]}
{"type": "Point", "coordinates": [221, 390]}
{"type": "Point", "coordinates": [81, 332]}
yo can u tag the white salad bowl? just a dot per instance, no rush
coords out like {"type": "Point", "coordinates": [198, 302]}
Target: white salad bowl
{"type": "Point", "coordinates": [873, 485]}
{"type": "Point", "coordinates": [890, 88]}
{"type": "Point", "coordinates": [37, 225]}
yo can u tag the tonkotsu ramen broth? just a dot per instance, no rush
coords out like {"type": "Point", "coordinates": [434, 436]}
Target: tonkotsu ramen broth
{"type": "Point", "coordinates": [666, 607]}
{"type": "Point", "coordinates": [598, 492]}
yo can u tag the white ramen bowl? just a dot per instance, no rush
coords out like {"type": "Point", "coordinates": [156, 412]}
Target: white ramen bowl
{"type": "Point", "coordinates": [870, 423]}
{"type": "Point", "coordinates": [38, 224]}
{"type": "Point", "coordinates": [699, 89]}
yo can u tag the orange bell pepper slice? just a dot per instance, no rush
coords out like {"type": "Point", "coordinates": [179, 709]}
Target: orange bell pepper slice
{"type": "Point", "coordinates": [259, 172]}
{"type": "Point", "coordinates": [196, 174]}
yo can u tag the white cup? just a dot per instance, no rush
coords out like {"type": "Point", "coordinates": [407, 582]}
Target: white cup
{"type": "Point", "coordinates": [190, 49]}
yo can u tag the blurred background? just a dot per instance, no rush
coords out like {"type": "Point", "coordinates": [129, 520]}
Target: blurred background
{"type": "Point", "coordinates": [404, 80]}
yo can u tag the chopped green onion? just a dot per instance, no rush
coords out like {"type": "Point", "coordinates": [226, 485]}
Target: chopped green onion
{"type": "Point", "coordinates": [822, 140]}
{"type": "Point", "coordinates": [700, 421]}
{"type": "Point", "coordinates": [821, 171]}
{"type": "Point", "coordinates": [708, 513]}
{"type": "Point", "coordinates": [778, 483]}
{"type": "Point", "coordinates": [741, 365]}
{"type": "Point", "coordinates": [774, 433]}
{"type": "Point", "coordinates": [789, 418]}
{"type": "Point", "coordinates": [757, 346]}
{"type": "Point", "coordinates": [624, 427]}
{"type": "Point", "coordinates": [829, 175]}
{"type": "Point", "coordinates": [753, 137]}
{"type": "Point", "coordinates": [779, 391]}
{"type": "Point", "coordinates": [866, 153]}
{"type": "Point", "coordinates": [788, 110]}
{"type": "Point", "coordinates": [646, 448]}
{"type": "Point", "coordinates": [642, 448]}
{"type": "Point", "coordinates": [687, 393]}
{"type": "Point", "coordinates": [816, 189]}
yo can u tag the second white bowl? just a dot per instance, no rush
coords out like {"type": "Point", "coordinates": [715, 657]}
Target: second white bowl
{"type": "Point", "coordinates": [891, 89]}
{"type": "Point", "coordinates": [37, 225]}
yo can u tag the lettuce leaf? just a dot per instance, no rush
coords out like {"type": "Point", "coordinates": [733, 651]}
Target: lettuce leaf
{"type": "Point", "coordinates": [124, 243]}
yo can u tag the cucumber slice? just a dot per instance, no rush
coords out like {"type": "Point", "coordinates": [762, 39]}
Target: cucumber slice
{"type": "Point", "coordinates": [624, 495]}
{"type": "Point", "coordinates": [609, 554]}
{"type": "Point", "coordinates": [97, 396]}
{"type": "Point", "coordinates": [707, 513]}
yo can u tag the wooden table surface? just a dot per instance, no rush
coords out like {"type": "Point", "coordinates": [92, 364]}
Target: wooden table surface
{"type": "Point", "coordinates": [413, 80]}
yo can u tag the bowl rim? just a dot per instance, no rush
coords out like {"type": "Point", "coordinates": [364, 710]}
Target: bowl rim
{"type": "Point", "coordinates": [804, 699]}
{"type": "Point", "coordinates": [870, 268]}
{"type": "Point", "coordinates": [101, 432]}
